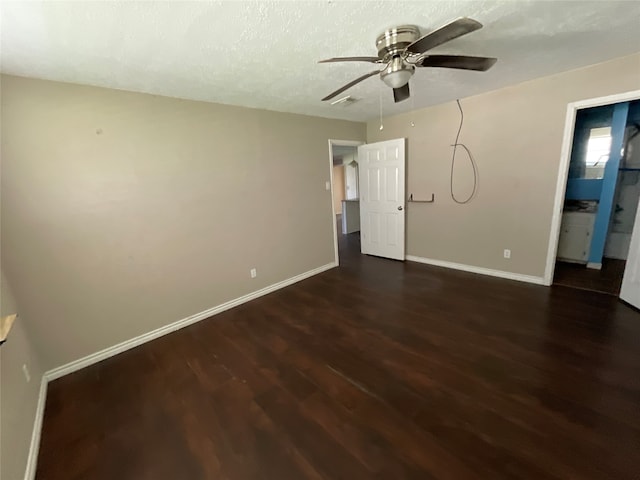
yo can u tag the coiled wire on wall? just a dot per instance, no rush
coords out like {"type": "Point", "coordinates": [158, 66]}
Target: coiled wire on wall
{"type": "Point", "coordinates": [471, 160]}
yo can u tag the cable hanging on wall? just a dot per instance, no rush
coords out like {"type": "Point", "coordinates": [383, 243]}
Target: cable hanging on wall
{"type": "Point", "coordinates": [455, 146]}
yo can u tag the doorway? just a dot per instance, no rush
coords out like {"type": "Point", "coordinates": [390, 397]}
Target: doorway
{"type": "Point", "coordinates": [601, 197]}
{"type": "Point", "coordinates": [374, 196]}
{"type": "Point", "coordinates": [343, 161]}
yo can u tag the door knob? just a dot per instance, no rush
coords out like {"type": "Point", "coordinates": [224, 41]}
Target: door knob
{"type": "Point", "coordinates": [400, 208]}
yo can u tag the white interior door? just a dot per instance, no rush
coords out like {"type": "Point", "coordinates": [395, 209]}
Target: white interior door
{"type": "Point", "coordinates": [382, 199]}
{"type": "Point", "coordinates": [630, 291]}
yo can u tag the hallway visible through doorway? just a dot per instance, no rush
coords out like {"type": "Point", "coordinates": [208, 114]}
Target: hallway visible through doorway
{"type": "Point", "coordinates": [344, 177]}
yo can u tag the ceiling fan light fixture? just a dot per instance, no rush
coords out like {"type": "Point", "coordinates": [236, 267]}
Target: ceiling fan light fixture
{"type": "Point", "coordinates": [397, 74]}
{"type": "Point", "coordinates": [397, 79]}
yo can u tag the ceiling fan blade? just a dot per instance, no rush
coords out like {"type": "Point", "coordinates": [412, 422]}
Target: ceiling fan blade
{"type": "Point", "coordinates": [351, 59]}
{"type": "Point", "coordinates": [350, 84]}
{"type": "Point", "coordinates": [452, 30]}
{"type": "Point", "coordinates": [401, 93]}
{"type": "Point", "coordinates": [480, 64]}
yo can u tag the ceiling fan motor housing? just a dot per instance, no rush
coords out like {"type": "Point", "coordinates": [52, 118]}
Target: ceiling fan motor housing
{"type": "Point", "coordinates": [394, 40]}
{"type": "Point", "coordinates": [391, 49]}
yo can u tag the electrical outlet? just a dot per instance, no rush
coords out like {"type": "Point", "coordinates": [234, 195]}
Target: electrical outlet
{"type": "Point", "coordinates": [253, 272]}
{"type": "Point", "coordinates": [25, 370]}
{"type": "Point", "coordinates": [507, 253]}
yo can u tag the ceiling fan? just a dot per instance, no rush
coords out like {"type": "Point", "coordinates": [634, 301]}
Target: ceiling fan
{"type": "Point", "coordinates": [402, 49]}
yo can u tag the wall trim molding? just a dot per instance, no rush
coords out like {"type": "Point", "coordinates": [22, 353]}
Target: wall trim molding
{"type": "Point", "coordinates": [172, 327]}
{"type": "Point", "coordinates": [481, 270]}
{"type": "Point", "coordinates": [34, 447]}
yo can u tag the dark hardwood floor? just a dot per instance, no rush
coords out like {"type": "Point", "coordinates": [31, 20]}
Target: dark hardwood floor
{"type": "Point", "coordinates": [374, 370]}
{"type": "Point", "coordinates": [607, 280]}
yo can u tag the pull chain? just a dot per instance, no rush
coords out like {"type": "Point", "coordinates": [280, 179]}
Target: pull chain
{"type": "Point", "coordinates": [380, 102]}
{"type": "Point", "coordinates": [413, 109]}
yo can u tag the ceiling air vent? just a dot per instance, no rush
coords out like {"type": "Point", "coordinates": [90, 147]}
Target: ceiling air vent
{"type": "Point", "coordinates": [344, 101]}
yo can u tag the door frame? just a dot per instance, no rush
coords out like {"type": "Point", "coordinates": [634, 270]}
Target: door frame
{"type": "Point", "coordinates": [337, 143]}
{"type": "Point", "coordinates": [563, 169]}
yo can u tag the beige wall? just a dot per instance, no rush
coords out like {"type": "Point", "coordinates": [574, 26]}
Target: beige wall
{"type": "Point", "coordinates": [338, 187]}
{"type": "Point", "coordinates": [18, 398]}
{"type": "Point", "coordinates": [515, 135]}
{"type": "Point", "coordinates": [123, 212]}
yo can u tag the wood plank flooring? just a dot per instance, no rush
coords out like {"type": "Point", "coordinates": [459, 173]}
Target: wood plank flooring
{"type": "Point", "coordinates": [374, 370]}
{"type": "Point", "coordinates": [608, 280]}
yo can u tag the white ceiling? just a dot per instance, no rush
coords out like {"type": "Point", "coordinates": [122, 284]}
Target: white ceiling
{"type": "Point", "coordinates": [264, 54]}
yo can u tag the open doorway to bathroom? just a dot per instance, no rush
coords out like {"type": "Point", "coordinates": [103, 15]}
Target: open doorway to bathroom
{"type": "Point", "coordinates": [601, 199]}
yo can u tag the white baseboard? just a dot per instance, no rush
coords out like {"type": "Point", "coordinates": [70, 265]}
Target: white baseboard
{"type": "Point", "coordinates": [172, 327]}
{"type": "Point", "coordinates": [34, 448]}
{"type": "Point", "coordinates": [482, 271]}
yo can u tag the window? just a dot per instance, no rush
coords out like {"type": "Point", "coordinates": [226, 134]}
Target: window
{"type": "Point", "coordinates": [598, 148]}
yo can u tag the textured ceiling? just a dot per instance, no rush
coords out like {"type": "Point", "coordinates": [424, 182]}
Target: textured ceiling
{"type": "Point", "coordinates": [264, 54]}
